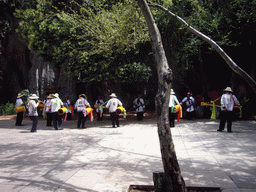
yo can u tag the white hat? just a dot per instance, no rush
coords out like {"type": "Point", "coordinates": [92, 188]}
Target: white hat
{"type": "Point", "coordinates": [172, 92]}
{"type": "Point", "coordinates": [55, 95]}
{"type": "Point", "coordinates": [33, 96]}
{"type": "Point", "coordinates": [20, 95]}
{"type": "Point", "coordinates": [50, 96]}
{"type": "Point", "coordinates": [228, 89]}
{"type": "Point", "coordinates": [113, 95]}
{"type": "Point", "coordinates": [83, 95]}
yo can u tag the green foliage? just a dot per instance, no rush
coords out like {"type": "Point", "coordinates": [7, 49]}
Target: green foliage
{"type": "Point", "coordinates": [25, 93]}
{"type": "Point", "coordinates": [134, 72]}
{"type": "Point", "coordinates": [82, 37]}
{"type": "Point", "coordinates": [230, 23]}
{"type": "Point", "coordinates": [7, 109]}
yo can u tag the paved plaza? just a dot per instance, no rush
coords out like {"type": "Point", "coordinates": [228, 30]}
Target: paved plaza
{"type": "Point", "coordinates": [105, 159]}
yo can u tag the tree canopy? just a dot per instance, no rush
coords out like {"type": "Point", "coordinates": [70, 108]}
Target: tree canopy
{"type": "Point", "coordinates": [222, 21]}
{"type": "Point", "coordinates": [87, 39]}
{"type": "Point", "coordinates": [93, 40]}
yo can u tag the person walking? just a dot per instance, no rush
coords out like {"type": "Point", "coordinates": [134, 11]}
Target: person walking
{"type": "Point", "coordinates": [139, 105]}
{"type": "Point", "coordinates": [47, 109]}
{"type": "Point", "coordinates": [81, 105]}
{"type": "Point", "coordinates": [172, 111]}
{"type": "Point", "coordinates": [32, 111]}
{"type": "Point", "coordinates": [20, 114]}
{"type": "Point", "coordinates": [228, 100]}
{"type": "Point", "coordinates": [113, 104]}
{"type": "Point", "coordinates": [99, 112]}
{"type": "Point", "coordinates": [56, 104]}
{"type": "Point", "coordinates": [190, 106]}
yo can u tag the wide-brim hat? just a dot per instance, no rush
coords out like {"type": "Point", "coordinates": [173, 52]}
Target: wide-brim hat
{"type": "Point", "coordinates": [113, 95]}
{"type": "Point", "coordinates": [55, 95]}
{"type": "Point", "coordinates": [172, 92]}
{"type": "Point", "coordinates": [20, 95]}
{"type": "Point", "coordinates": [82, 95]}
{"type": "Point", "coordinates": [50, 96]}
{"type": "Point", "coordinates": [228, 89]}
{"type": "Point", "coordinates": [33, 96]}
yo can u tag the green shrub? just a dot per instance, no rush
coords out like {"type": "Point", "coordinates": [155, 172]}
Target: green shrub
{"type": "Point", "coordinates": [7, 109]}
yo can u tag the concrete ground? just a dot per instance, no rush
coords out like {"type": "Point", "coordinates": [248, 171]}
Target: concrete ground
{"type": "Point", "coordinates": [105, 159]}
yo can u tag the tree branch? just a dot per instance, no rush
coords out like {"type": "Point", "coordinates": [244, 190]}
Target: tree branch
{"type": "Point", "coordinates": [228, 60]}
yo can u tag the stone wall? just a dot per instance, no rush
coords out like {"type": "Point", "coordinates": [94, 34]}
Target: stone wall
{"type": "Point", "coordinates": [42, 76]}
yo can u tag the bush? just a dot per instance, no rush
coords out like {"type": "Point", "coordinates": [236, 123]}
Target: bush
{"type": "Point", "coordinates": [7, 109]}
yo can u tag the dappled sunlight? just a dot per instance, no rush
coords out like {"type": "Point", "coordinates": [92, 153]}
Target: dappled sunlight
{"type": "Point", "coordinates": [89, 159]}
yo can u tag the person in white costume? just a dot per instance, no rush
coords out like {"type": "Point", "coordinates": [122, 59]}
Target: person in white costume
{"type": "Point", "coordinates": [81, 105]}
{"type": "Point", "coordinates": [139, 105]}
{"type": "Point", "coordinates": [113, 104]}
{"type": "Point", "coordinates": [172, 111]}
{"type": "Point", "coordinates": [19, 103]}
{"type": "Point", "coordinates": [228, 101]}
{"type": "Point", "coordinates": [32, 111]}
{"type": "Point", "coordinates": [189, 102]}
{"type": "Point", "coordinates": [56, 104]}
{"type": "Point", "coordinates": [99, 102]}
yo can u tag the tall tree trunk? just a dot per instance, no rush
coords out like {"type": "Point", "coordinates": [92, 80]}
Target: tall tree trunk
{"type": "Point", "coordinates": [228, 60]}
{"type": "Point", "coordinates": [172, 171]}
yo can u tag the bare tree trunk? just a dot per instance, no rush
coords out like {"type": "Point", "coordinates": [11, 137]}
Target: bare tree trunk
{"type": "Point", "coordinates": [228, 60]}
{"type": "Point", "coordinates": [175, 181]}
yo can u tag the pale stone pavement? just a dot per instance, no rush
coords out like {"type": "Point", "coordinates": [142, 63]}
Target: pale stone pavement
{"type": "Point", "coordinates": [105, 159]}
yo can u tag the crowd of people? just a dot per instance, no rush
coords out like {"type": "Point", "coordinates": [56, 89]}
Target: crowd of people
{"type": "Point", "coordinates": [227, 103]}
{"type": "Point", "coordinates": [54, 108]}
{"type": "Point", "coordinates": [188, 102]}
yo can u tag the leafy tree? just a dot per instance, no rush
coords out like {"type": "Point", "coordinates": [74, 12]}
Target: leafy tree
{"type": "Point", "coordinates": [83, 38]}
{"type": "Point", "coordinates": [217, 19]}
{"type": "Point", "coordinates": [175, 181]}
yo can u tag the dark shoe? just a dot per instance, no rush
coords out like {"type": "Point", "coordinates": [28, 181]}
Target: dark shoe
{"type": "Point", "coordinates": [33, 131]}
{"type": "Point", "coordinates": [230, 131]}
{"type": "Point", "coordinates": [113, 126]}
{"type": "Point", "coordinates": [56, 129]}
{"type": "Point", "coordinates": [220, 130]}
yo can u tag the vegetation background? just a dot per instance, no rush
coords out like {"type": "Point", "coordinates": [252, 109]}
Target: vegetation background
{"type": "Point", "coordinates": [104, 45]}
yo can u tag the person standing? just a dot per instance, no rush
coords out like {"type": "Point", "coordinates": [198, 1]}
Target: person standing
{"type": "Point", "coordinates": [113, 104]}
{"type": "Point", "coordinates": [20, 115]}
{"type": "Point", "coordinates": [99, 102]}
{"type": "Point", "coordinates": [56, 104]}
{"type": "Point", "coordinates": [47, 109]}
{"type": "Point", "coordinates": [228, 100]}
{"type": "Point", "coordinates": [139, 105]}
{"type": "Point", "coordinates": [172, 111]}
{"type": "Point", "coordinates": [81, 105]}
{"type": "Point", "coordinates": [32, 111]}
{"type": "Point", "coordinates": [67, 104]}
{"type": "Point", "coordinates": [190, 106]}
